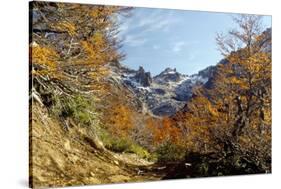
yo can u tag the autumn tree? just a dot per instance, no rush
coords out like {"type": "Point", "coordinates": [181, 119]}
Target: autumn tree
{"type": "Point", "coordinates": [164, 130]}
{"type": "Point", "coordinates": [232, 116]}
{"type": "Point", "coordinates": [167, 139]}
{"type": "Point", "coordinates": [70, 46]}
{"type": "Point", "coordinates": [120, 120]}
{"type": "Point", "coordinates": [196, 124]}
{"type": "Point", "coordinates": [245, 81]}
{"type": "Point", "coordinates": [243, 86]}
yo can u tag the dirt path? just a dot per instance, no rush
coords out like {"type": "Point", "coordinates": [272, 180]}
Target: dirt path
{"type": "Point", "coordinates": [61, 158]}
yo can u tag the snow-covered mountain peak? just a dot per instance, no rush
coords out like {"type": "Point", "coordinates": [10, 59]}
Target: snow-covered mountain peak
{"type": "Point", "coordinates": [163, 94]}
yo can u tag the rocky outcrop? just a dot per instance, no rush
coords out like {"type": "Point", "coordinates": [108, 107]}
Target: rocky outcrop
{"type": "Point", "coordinates": [163, 94]}
{"type": "Point", "coordinates": [164, 109]}
{"type": "Point", "coordinates": [142, 77]}
{"type": "Point", "coordinates": [168, 75]}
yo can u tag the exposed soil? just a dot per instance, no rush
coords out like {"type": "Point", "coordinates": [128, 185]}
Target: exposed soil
{"type": "Point", "coordinates": [65, 158]}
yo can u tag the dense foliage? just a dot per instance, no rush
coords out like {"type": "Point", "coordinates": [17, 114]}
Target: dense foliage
{"type": "Point", "coordinates": [229, 121]}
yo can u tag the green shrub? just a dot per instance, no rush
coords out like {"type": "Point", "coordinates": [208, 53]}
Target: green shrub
{"type": "Point", "coordinates": [122, 145]}
{"type": "Point", "coordinates": [113, 143]}
{"type": "Point", "coordinates": [170, 152]}
{"type": "Point", "coordinates": [119, 145]}
{"type": "Point", "coordinates": [139, 150]}
{"type": "Point", "coordinates": [80, 108]}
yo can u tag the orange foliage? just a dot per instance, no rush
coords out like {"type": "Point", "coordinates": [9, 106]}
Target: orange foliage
{"type": "Point", "coordinates": [45, 58]}
{"type": "Point", "coordinates": [120, 120]}
{"type": "Point", "coordinates": [234, 114]}
{"type": "Point", "coordinates": [164, 130]}
{"type": "Point", "coordinates": [82, 41]}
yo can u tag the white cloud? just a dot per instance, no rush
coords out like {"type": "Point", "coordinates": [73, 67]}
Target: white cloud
{"type": "Point", "coordinates": [134, 40]}
{"type": "Point", "coordinates": [123, 27]}
{"type": "Point", "coordinates": [157, 20]}
{"type": "Point", "coordinates": [143, 22]}
{"type": "Point", "coordinates": [178, 46]}
{"type": "Point", "coordinates": [160, 24]}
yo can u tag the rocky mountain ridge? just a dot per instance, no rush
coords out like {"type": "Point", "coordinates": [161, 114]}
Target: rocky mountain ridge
{"type": "Point", "coordinates": [163, 94]}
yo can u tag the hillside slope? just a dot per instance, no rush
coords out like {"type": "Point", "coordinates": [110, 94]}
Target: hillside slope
{"type": "Point", "coordinates": [64, 158]}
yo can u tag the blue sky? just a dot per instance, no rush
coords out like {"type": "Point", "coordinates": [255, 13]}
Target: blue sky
{"type": "Point", "coordinates": [185, 40]}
